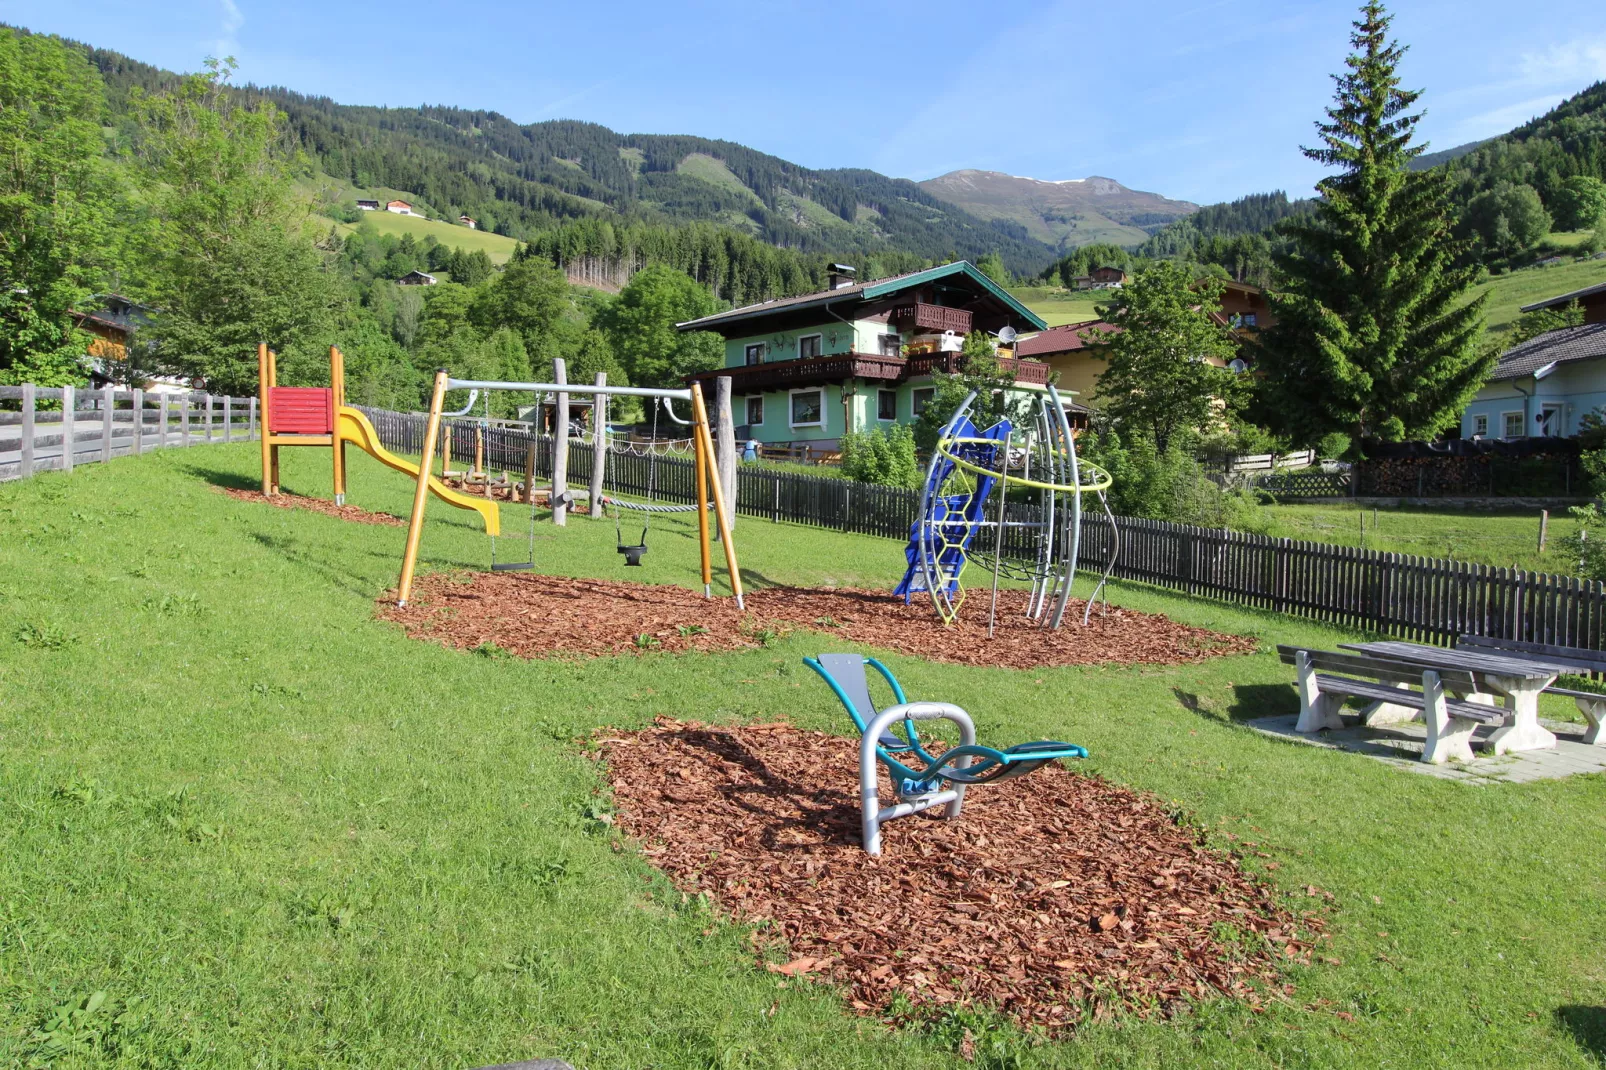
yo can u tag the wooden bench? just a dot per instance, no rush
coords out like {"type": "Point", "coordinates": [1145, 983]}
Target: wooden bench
{"type": "Point", "coordinates": [1591, 704]}
{"type": "Point", "coordinates": [1450, 721]}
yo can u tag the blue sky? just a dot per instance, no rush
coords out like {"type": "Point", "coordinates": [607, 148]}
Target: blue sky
{"type": "Point", "coordinates": [1200, 99]}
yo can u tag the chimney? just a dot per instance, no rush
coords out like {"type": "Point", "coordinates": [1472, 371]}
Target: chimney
{"type": "Point", "coordinates": [840, 276]}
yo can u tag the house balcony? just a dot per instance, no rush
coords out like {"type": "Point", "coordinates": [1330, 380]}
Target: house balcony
{"type": "Point", "coordinates": [923, 317]}
{"type": "Point", "coordinates": [837, 368]}
{"type": "Point", "coordinates": [814, 371]}
{"type": "Point", "coordinates": [1025, 372]}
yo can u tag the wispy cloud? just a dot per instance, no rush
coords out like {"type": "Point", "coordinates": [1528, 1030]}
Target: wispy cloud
{"type": "Point", "coordinates": [1576, 62]}
{"type": "Point", "coordinates": [228, 42]}
{"type": "Point", "coordinates": [554, 108]}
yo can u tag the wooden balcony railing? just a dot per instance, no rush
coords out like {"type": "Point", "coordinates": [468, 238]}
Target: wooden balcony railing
{"type": "Point", "coordinates": [1030, 372]}
{"type": "Point", "coordinates": [783, 374]}
{"type": "Point", "coordinates": [932, 318]}
{"type": "Point", "coordinates": [788, 373]}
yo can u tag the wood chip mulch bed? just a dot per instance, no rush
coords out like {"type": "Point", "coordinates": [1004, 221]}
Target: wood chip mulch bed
{"type": "Point", "coordinates": [534, 616]}
{"type": "Point", "coordinates": [286, 500]}
{"type": "Point", "coordinates": [1052, 899]}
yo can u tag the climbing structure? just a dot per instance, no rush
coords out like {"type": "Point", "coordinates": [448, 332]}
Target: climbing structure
{"type": "Point", "coordinates": [967, 469]}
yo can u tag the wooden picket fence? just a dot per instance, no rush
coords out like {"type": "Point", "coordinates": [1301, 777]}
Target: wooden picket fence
{"type": "Point", "coordinates": [1420, 598]}
{"type": "Point", "coordinates": [109, 422]}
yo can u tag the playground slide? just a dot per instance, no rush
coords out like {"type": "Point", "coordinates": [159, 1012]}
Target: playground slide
{"type": "Point", "coordinates": [352, 426]}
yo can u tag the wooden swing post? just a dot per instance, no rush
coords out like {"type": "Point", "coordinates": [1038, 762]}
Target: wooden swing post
{"type": "Point", "coordinates": [706, 449]}
{"type": "Point", "coordinates": [415, 523]}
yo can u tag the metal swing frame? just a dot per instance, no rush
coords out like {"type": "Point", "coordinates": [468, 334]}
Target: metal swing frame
{"type": "Point", "coordinates": [710, 493]}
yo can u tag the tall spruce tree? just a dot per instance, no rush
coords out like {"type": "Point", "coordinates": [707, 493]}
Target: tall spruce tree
{"type": "Point", "coordinates": [1375, 336]}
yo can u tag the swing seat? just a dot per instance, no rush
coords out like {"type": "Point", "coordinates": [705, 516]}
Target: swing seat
{"type": "Point", "coordinates": [633, 554]}
{"type": "Point", "coordinates": [514, 566]}
{"type": "Point", "coordinates": [941, 779]}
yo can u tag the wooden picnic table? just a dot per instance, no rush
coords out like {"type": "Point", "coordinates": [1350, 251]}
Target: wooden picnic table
{"type": "Point", "coordinates": [1518, 677]}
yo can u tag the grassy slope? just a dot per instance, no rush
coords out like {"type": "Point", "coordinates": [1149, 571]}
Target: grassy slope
{"type": "Point", "coordinates": [1058, 306]}
{"type": "Point", "coordinates": [497, 246]}
{"type": "Point", "coordinates": [306, 840]}
{"type": "Point", "coordinates": [1508, 538]}
{"type": "Point", "coordinates": [1509, 292]}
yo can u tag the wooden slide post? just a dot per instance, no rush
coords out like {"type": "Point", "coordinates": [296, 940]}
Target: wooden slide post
{"type": "Point", "coordinates": [700, 416]}
{"type": "Point", "coordinates": [415, 523]}
{"type": "Point", "coordinates": [264, 384]}
{"type": "Point", "coordinates": [560, 446]}
{"type": "Point", "coordinates": [599, 449]}
{"type": "Point", "coordinates": [337, 390]}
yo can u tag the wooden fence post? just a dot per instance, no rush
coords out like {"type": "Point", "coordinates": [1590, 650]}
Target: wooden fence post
{"type": "Point", "coordinates": [161, 421]}
{"type": "Point", "coordinates": [560, 445]}
{"type": "Point", "coordinates": [251, 419]}
{"type": "Point", "coordinates": [69, 404]}
{"type": "Point", "coordinates": [139, 422]}
{"type": "Point", "coordinates": [27, 429]}
{"type": "Point", "coordinates": [108, 402]}
{"type": "Point", "coordinates": [228, 419]}
{"type": "Point", "coordinates": [207, 401]}
{"type": "Point", "coordinates": [184, 418]}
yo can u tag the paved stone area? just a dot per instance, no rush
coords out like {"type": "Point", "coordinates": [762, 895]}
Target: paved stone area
{"type": "Point", "coordinates": [1400, 745]}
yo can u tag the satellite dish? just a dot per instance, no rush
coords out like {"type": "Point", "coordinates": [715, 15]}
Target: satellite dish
{"type": "Point", "coordinates": [1007, 336]}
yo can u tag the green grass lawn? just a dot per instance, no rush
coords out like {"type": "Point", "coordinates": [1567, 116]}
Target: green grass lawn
{"type": "Point", "coordinates": [285, 835]}
{"type": "Point", "coordinates": [1505, 537]}
{"type": "Point", "coordinates": [497, 246]}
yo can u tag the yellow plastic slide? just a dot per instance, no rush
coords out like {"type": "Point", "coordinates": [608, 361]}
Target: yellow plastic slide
{"type": "Point", "coordinates": [352, 426]}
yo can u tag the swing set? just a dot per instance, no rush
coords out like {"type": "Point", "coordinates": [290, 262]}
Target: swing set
{"type": "Point", "coordinates": [709, 492]}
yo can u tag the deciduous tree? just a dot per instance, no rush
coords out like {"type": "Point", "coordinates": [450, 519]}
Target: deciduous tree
{"type": "Point", "coordinates": [1166, 373]}
{"type": "Point", "coordinates": [54, 199]}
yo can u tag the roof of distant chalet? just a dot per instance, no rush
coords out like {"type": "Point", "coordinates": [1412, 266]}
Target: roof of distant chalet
{"type": "Point", "coordinates": [866, 291]}
{"type": "Point", "coordinates": [1587, 341]}
{"type": "Point", "coordinates": [1066, 339]}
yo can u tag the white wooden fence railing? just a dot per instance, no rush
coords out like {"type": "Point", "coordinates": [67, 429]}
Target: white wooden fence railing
{"type": "Point", "coordinates": [110, 422]}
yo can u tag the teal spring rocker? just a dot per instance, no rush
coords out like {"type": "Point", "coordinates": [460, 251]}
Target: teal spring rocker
{"type": "Point", "coordinates": [943, 779]}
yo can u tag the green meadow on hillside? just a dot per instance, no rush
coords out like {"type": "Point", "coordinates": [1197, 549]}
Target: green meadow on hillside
{"type": "Point", "coordinates": [270, 830]}
{"type": "Point", "coordinates": [1509, 292]}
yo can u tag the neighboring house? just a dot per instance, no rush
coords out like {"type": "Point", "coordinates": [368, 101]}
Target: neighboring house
{"type": "Point", "coordinates": [1546, 385]}
{"type": "Point", "coordinates": [1072, 351]}
{"type": "Point", "coordinates": [1107, 278]}
{"type": "Point", "coordinates": [1244, 307]}
{"type": "Point", "coordinates": [400, 208]}
{"type": "Point", "coordinates": [859, 355]}
{"type": "Point", "coordinates": [468, 222]}
{"type": "Point", "coordinates": [367, 206]}
{"type": "Point", "coordinates": [417, 278]}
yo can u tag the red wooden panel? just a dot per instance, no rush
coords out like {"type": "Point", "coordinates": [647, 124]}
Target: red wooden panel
{"type": "Point", "coordinates": [301, 410]}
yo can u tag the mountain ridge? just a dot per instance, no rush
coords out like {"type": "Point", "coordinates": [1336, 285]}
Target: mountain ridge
{"type": "Point", "coordinates": [1064, 213]}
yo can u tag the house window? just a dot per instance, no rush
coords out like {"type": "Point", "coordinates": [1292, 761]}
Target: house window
{"type": "Point", "coordinates": [754, 354]}
{"type": "Point", "coordinates": [808, 346]}
{"type": "Point", "coordinates": [755, 409]}
{"type": "Point", "coordinates": [886, 404]}
{"type": "Point", "coordinates": [1513, 424]}
{"type": "Point", "coordinates": [891, 345]}
{"type": "Point", "coordinates": [1480, 424]}
{"type": "Point", "coordinates": [1248, 319]}
{"type": "Point", "coordinates": [808, 408]}
{"type": "Point", "coordinates": [1550, 420]}
{"type": "Point", "coordinates": [922, 398]}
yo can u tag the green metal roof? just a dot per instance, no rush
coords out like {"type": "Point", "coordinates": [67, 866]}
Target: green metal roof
{"type": "Point", "coordinates": [866, 291]}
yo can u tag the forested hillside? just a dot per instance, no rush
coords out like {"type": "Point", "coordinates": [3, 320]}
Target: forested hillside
{"type": "Point", "coordinates": [523, 180]}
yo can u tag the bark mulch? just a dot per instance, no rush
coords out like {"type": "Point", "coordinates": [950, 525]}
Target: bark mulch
{"type": "Point", "coordinates": [1051, 899]}
{"type": "Point", "coordinates": [286, 500]}
{"type": "Point", "coordinates": [533, 616]}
